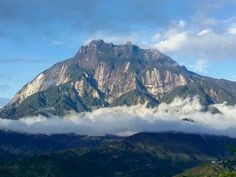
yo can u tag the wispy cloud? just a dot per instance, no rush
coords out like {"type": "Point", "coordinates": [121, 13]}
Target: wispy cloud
{"type": "Point", "coordinates": [172, 42]}
{"type": "Point", "coordinates": [200, 66]}
{"type": "Point", "coordinates": [57, 42]}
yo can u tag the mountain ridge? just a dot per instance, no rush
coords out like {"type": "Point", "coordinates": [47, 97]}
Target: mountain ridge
{"type": "Point", "coordinates": [103, 74]}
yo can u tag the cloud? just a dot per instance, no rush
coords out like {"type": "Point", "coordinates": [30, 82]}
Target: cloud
{"type": "Point", "coordinates": [232, 29]}
{"type": "Point", "coordinates": [172, 42]}
{"type": "Point", "coordinates": [213, 41]}
{"type": "Point", "coordinates": [60, 17]}
{"type": "Point", "coordinates": [126, 20]}
{"type": "Point", "coordinates": [57, 42]}
{"type": "Point", "coordinates": [182, 23]}
{"type": "Point", "coordinates": [127, 120]}
{"type": "Point", "coordinates": [200, 66]}
{"type": "Point", "coordinates": [207, 43]}
{"type": "Point", "coordinates": [203, 32]}
{"type": "Point", "coordinates": [81, 15]}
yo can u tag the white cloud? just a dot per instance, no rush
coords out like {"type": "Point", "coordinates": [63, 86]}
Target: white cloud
{"type": "Point", "coordinates": [182, 23]}
{"type": "Point", "coordinates": [206, 44]}
{"type": "Point", "coordinates": [172, 42]}
{"type": "Point", "coordinates": [126, 120]}
{"type": "Point", "coordinates": [205, 31]}
{"type": "Point", "coordinates": [200, 66]}
{"type": "Point", "coordinates": [232, 29]}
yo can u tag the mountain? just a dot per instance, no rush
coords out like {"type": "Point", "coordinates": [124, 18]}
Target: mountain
{"type": "Point", "coordinates": [103, 75]}
{"type": "Point", "coordinates": [220, 168]}
{"type": "Point", "coordinates": [139, 155]}
{"type": "Point", "coordinates": [3, 101]}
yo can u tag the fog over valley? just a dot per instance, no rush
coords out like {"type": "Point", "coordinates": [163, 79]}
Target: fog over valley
{"type": "Point", "coordinates": [183, 115]}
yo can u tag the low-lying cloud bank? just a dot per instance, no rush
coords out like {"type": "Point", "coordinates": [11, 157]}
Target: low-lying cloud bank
{"type": "Point", "coordinates": [129, 120]}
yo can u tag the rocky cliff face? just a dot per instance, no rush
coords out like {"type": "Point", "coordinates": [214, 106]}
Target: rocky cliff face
{"type": "Point", "coordinates": [102, 74]}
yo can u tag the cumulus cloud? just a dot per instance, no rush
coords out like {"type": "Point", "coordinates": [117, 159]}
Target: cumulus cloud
{"type": "Point", "coordinates": [206, 43]}
{"type": "Point", "coordinates": [128, 120]}
{"type": "Point", "coordinates": [172, 41]}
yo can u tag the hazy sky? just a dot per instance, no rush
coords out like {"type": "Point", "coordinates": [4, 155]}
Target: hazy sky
{"type": "Point", "coordinates": [34, 34]}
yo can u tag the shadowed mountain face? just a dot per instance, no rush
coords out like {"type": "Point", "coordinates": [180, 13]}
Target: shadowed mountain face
{"type": "Point", "coordinates": [103, 74]}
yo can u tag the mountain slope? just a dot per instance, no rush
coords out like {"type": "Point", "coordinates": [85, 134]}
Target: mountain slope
{"type": "Point", "coordinates": [211, 169]}
{"type": "Point", "coordinates": [103, 74]}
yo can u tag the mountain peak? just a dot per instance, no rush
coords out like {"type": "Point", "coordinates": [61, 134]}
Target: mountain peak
{"type": "Point", "coordinates": [101, 42]}
{"type": "Point", "coordinates": [97, 51]}
{"type": "Point", "coordinates": [94, 46]}
{"type": "Point", "coordinates": [129, 43]}
{"type": "Point", "coordinates": [96, 42]}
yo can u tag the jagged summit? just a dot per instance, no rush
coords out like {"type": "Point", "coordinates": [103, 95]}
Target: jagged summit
{"type": "Point", "coordinates": [98, 41]}
{"type": "Point", "coordinates": [103, 74]}
{"type": "Point", "coordinates": [99, 45]}
{"type": "Point", "coordinates": [98, 51]}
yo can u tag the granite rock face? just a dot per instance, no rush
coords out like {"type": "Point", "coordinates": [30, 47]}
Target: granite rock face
{"type": "Point", "coordinates": [103, 74]}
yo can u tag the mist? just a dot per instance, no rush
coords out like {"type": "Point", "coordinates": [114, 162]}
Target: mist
{"type": "Point", "coordinates": [125, 120]}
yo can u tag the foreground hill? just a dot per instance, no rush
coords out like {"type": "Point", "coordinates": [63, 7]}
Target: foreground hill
{"type": "Point", "coordinates": [220, 168]}
{"type": "Point", "coordinates": [140, 155]}
{"type": "Point", "coordinates": [103, 74]}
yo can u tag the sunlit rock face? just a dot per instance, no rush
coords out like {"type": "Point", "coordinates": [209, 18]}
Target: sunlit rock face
{"type": "Point", "coordinates": [160, 83]}
{"type": "Point", "coordinates": [103, 74]}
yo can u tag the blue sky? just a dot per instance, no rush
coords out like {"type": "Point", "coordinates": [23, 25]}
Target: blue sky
{"type": "Point", "coordinates": [34, 34]}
